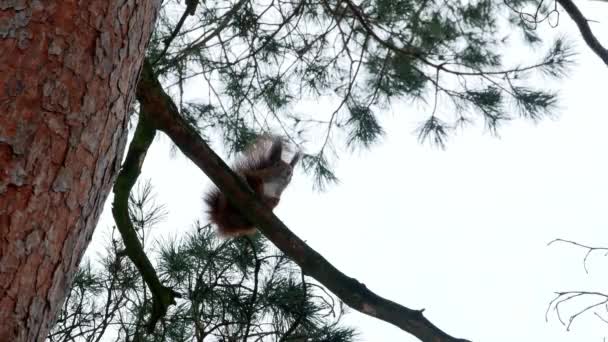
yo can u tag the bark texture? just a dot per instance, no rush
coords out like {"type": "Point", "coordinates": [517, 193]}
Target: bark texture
{"type": "Point", "coordinates": [68, 71]}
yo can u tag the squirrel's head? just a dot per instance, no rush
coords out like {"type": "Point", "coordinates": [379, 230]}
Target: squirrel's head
{"type": "Point", "coordinates": [282, 171]}
{"type": "Point", "coordinates": [285, 169]}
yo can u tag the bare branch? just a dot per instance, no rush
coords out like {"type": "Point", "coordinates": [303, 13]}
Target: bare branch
{"type": "Point", "coordinates": [569, 296]}
{"type": "Point", "coordinates": [596, 299]}
{"type": "Point", "coordinates": [588, 248]}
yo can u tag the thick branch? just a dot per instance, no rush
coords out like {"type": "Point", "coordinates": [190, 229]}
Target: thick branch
{"type": "Point", "coordinates": [165, 116]}
{"type": "Point", "coordinates": [130, 170]}
{"type": "Point", "coordinates": [583, 27]}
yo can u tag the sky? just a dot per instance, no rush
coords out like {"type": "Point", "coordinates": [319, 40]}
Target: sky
{"type": "Point", "coordinates": [461, 232]}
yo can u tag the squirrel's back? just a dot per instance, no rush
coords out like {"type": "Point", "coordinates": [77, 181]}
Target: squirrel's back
{"type": "Point", "coordinates": [262, 167]}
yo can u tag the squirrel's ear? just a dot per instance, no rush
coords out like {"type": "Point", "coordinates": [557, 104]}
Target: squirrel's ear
{"type": "Point", "coordinates": [276, 150]}
{"type": "Point", "coordinates": [295, 159]}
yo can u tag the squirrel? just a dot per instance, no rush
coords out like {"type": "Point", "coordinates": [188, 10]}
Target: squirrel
{"type": "Point", "coordinates": [266, 173]}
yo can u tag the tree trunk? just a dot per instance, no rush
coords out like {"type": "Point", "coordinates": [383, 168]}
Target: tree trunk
{"type": "Point", "coordinates": [68, 71]}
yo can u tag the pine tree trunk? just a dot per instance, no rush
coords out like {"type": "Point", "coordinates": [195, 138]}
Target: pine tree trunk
{"type": "Point", "coordinates": [68, 71]}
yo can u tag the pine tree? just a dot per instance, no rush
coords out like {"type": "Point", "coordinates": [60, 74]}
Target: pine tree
{"type": "Point", "coordinates": [231, 290]}
{"type": "Point", "coordinates": [254, 62]}
{"type": "Point", "coordinates": [257, 61]}
{"type": "Point", "coordinates": [68, 73]}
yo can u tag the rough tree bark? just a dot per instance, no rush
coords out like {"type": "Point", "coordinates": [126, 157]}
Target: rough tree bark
{"type": "Point", "coordinates": [68, 71]}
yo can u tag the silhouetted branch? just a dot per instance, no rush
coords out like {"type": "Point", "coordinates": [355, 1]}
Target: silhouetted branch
{"type": "Point", "coordinates": [163, 297]}
{"type": "Point", "coordinates": [568, 296]}
{"type": "Point", "coordinates": [583, 27]}
{"type": "Point", "coordinates": [599, 299]}
{"type": "Point", "coordinates": [588, 248]}
{"type": "Point", "coordinates": [166, 118]}
{"type": "Point", "coordinates": [191, 6]}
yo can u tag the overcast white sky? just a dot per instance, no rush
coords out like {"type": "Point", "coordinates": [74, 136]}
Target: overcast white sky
{"type": "Point", "coordinates": [460, 232]}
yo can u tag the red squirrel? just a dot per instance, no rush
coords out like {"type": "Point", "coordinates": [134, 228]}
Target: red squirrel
{"type": "Point", "coordinates": [264, 170]}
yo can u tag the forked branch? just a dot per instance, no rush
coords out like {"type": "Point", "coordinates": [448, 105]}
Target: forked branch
{"type": "Point", "coordinates": [353, 293]}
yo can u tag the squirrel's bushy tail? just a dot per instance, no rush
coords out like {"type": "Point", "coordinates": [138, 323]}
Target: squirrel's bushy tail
{"type": "Point", "coordinates": [262, 167]}
{"type": "Point", "coordinates": [227, 218]}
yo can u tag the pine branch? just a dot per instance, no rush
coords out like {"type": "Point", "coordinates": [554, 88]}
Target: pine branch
{"type": "Point", "coordinates": [191, 6]}
{"type": "Point", "coordinates": [166, 118]}
{"type": "Point", "coordinates": [583, 27]}
{"type": "Point", "coordinates": [163, 297]}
